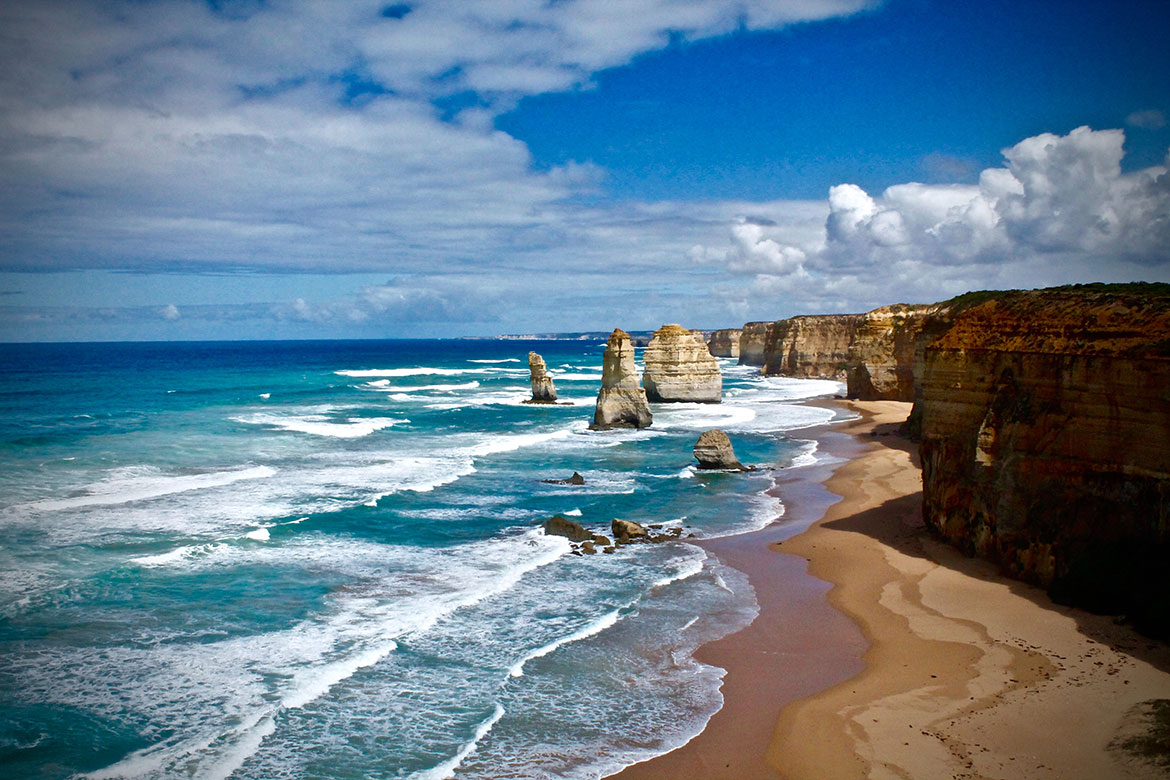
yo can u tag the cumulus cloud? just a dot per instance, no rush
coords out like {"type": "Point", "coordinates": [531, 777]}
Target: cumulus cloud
{"type": "Point", "coordinates": [1059, 210]}
{"type": "Point", "coordinates": [170, 312]}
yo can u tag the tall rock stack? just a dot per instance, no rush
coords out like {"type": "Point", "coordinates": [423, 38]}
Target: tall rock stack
{"type": "Point", "coordinates": [543, 390]}
{"type": "Point", "coordinates": [679, 367]}
{"type": "Point", "coordinates": [724, 343]}
{"type": "Point", "coordinates": [621, 403]}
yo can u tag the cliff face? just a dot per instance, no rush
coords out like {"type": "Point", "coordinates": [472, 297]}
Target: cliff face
{"type": "Point", "coordinates": [724, 343]}
{"type": "Point", "coordinates": [753, 338]}
{"type": "Point", "coordinates": [1046, 444]}
{"type": "Point", "coordinates": [810, 346]}
{"type": "Point", "coordinates": [680, 368]}
{"type": "Point", "coordinates": [621, 403]}
{"type": "Point", "coordinates": [889, 348]}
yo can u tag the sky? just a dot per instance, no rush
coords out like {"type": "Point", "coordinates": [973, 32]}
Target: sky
{"type": "Point", "coordinates": [225, 169]}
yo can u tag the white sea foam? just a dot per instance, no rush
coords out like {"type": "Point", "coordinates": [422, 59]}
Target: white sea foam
{"type": "Point", "coordinates": [807, 455]}
{"type": "Point", "coordinates": [573, 513]}
{"type": "Point", "coordinates": [184, 553]}
{"type": "Point", "coordinates": [266, 396]}
{"type": "Point", "coordinates": [497, 360]}
{"type": "Point", "coordinates": [425, 371]}
{"type": "Point", "coordinates": [321, 425]}
{"type": "Point", "coordinates": [248, 680]}
{"type": "Point", "coordinates": [444, 770]}
{"type": "Point", "coordinates": [384, 386]}
{"type": "Point", "coordinates": [147, 483]}
{"type": "Point", "coordinates": [596, 627]}
{"type": "Point", "coordinates": [259, 535]}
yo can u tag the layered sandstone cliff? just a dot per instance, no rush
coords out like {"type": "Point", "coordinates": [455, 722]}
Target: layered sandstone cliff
{"type": "Point", "coordinates": [724, 343]}
{"type": "Point", "coordinates": [679, 367]}
{"type": "Point", "coordinates": [810, 346]}
{"type": "Point", "coordinates": [753, 338]}
{"type": "Point", "coordinates": [889, 347]}
{"type": "Point", "coordinates": [621, 403]}
{"type": "Point", "coordinates": [1046, 443]}
{"type": "Point", "coordinates": [543, 390]}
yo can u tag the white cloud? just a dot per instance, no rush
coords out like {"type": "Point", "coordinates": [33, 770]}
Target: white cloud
{"type": "Point", "coordinates": [170, 312]}
{"type": "Point", "coordinates": [1059, 211]}
{"type": "Point", "coordinates": [1150, 119]}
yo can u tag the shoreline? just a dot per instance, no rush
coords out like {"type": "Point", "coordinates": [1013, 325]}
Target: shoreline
{"type": "Point", "coordinates": [897, 656]}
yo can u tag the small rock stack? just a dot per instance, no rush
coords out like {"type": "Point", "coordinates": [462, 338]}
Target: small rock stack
{"type": "Point", "coordinates": [543, 390]}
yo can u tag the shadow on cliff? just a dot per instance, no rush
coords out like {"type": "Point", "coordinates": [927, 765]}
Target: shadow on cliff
{"type": "Point", "coordinates": [898, 524]}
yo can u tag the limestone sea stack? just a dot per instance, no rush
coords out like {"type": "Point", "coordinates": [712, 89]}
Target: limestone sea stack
{"type": "Point", "coordinates": [724, 343]}
{"type": "Point", "coordinates": [543, 390]}
{"type": "Point", "coordinates": [679, 367]}
{"type": "Point", "coordinates": [621, 403]}
{"type": "Point", "coordinates": [713, 451]}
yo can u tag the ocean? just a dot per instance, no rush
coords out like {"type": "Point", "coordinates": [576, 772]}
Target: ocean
{"type": "Point", "coordinates": [325, 560]}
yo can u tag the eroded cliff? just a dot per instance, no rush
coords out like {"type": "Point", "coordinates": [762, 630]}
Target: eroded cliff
{"type": "Point", "coordinates": [1046, 443]}
{"type": "Point", "coordinates": [810, 346]}
{"type": "Point", "coordinates": [753, 338]}
{"type": "Point", "coordinates": [724, 343]}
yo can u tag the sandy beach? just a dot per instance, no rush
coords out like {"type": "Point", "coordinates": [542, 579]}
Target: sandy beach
{"type": "Point", "coordinates": [930, 665]}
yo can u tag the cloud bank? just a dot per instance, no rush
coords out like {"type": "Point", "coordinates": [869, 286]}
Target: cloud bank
{"type": "Point", "coordinates": [1060, 209]}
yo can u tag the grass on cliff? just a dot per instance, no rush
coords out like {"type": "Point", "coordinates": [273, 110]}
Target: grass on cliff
{"type": "Point", "coordinates": [970, 300]}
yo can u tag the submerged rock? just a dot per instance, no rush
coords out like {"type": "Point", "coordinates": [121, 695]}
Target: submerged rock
{"type": "Point", "coordinates": [559, 525]}
{"type": "Point", "coordinates": [543, 390]}
{"type": "Point", "coordinates": [576, 479]}
{"type": "Point", "coordinates": [713, 451]}
{"type": "Point", "coordinates": [679, 367]}
{"type": "Point", "coordinates": [621, 403]}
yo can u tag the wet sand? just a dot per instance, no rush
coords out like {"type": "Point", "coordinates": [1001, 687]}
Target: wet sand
{"type": "Point", "coordinates": [926, 664]}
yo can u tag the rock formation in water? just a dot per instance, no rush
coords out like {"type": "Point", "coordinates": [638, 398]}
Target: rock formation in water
{"type": "Point", "coordinates": [724, 343]}
{"type": "Point", "coordinates": [576, 479]}
{"type": "Point", "coordinates": [810, 346]}
{"type": "Point", "coordinates": [1046, 443]}
{"type": "Point", "coordinates": [559, 525]}
{"type": "Point", "coordinates": [679, 367]}
{"type": "Point", "coordinates": [753, 338]}
{"type": "Point", "coordinates": [713, 451]}
{"type": "Point", "coordinates": [543, 390]}
{"type": "Point", "coordinates": [621, 403]}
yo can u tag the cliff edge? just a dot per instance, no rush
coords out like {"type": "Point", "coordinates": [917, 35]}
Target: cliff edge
{"type": "Point", "coordinates": [1046, 442]}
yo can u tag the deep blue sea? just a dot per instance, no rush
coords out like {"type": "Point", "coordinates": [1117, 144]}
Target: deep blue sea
{"type": "Point", "coordinates": [324, 560]}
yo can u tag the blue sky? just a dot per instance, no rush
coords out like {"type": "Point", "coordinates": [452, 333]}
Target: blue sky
{"type": "Point", "coordinates": [177, 170]}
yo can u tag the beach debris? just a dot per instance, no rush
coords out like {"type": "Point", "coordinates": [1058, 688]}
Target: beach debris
{"type": "Point", "coordinates": [713, 451]}
{"type": "Point", "coordinates": [576, 479]}
{"type": "Point", "coordinates": [543, 390]}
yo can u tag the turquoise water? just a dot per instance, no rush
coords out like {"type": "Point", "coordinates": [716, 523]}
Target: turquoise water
{"type": "Point", "coordinates": [323, 559]}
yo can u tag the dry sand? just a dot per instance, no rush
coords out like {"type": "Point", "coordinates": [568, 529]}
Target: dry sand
{"type": "Point", "coordinates": [966, 675]}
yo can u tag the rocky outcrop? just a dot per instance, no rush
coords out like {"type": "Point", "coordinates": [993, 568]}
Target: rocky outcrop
{"type": "Point", "coordinates": [543, 390]}
{"type": "Point", "coordinates": [626, 531]}
{"type": "Point", "coordinates": [576, 479]}
{"type": "Point", "coordinates": [810, 346]}
{"type": "Point", "coordinates": [559, 525]}
{"type": "Point", "coordinates": [724, 343]}
{"type": "Point", "coordinates": [621, 403]}
{"type": "Point", "coordinates": [679, 367]}
{"type": "Point", "coordinates": [886, 356]}
{"type": "Point", "coordinates": [753, 338]}
{"type": "Point", "coordinates": [1046, 443]}
{"type": "Point", "coordinates": [713, 451]}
